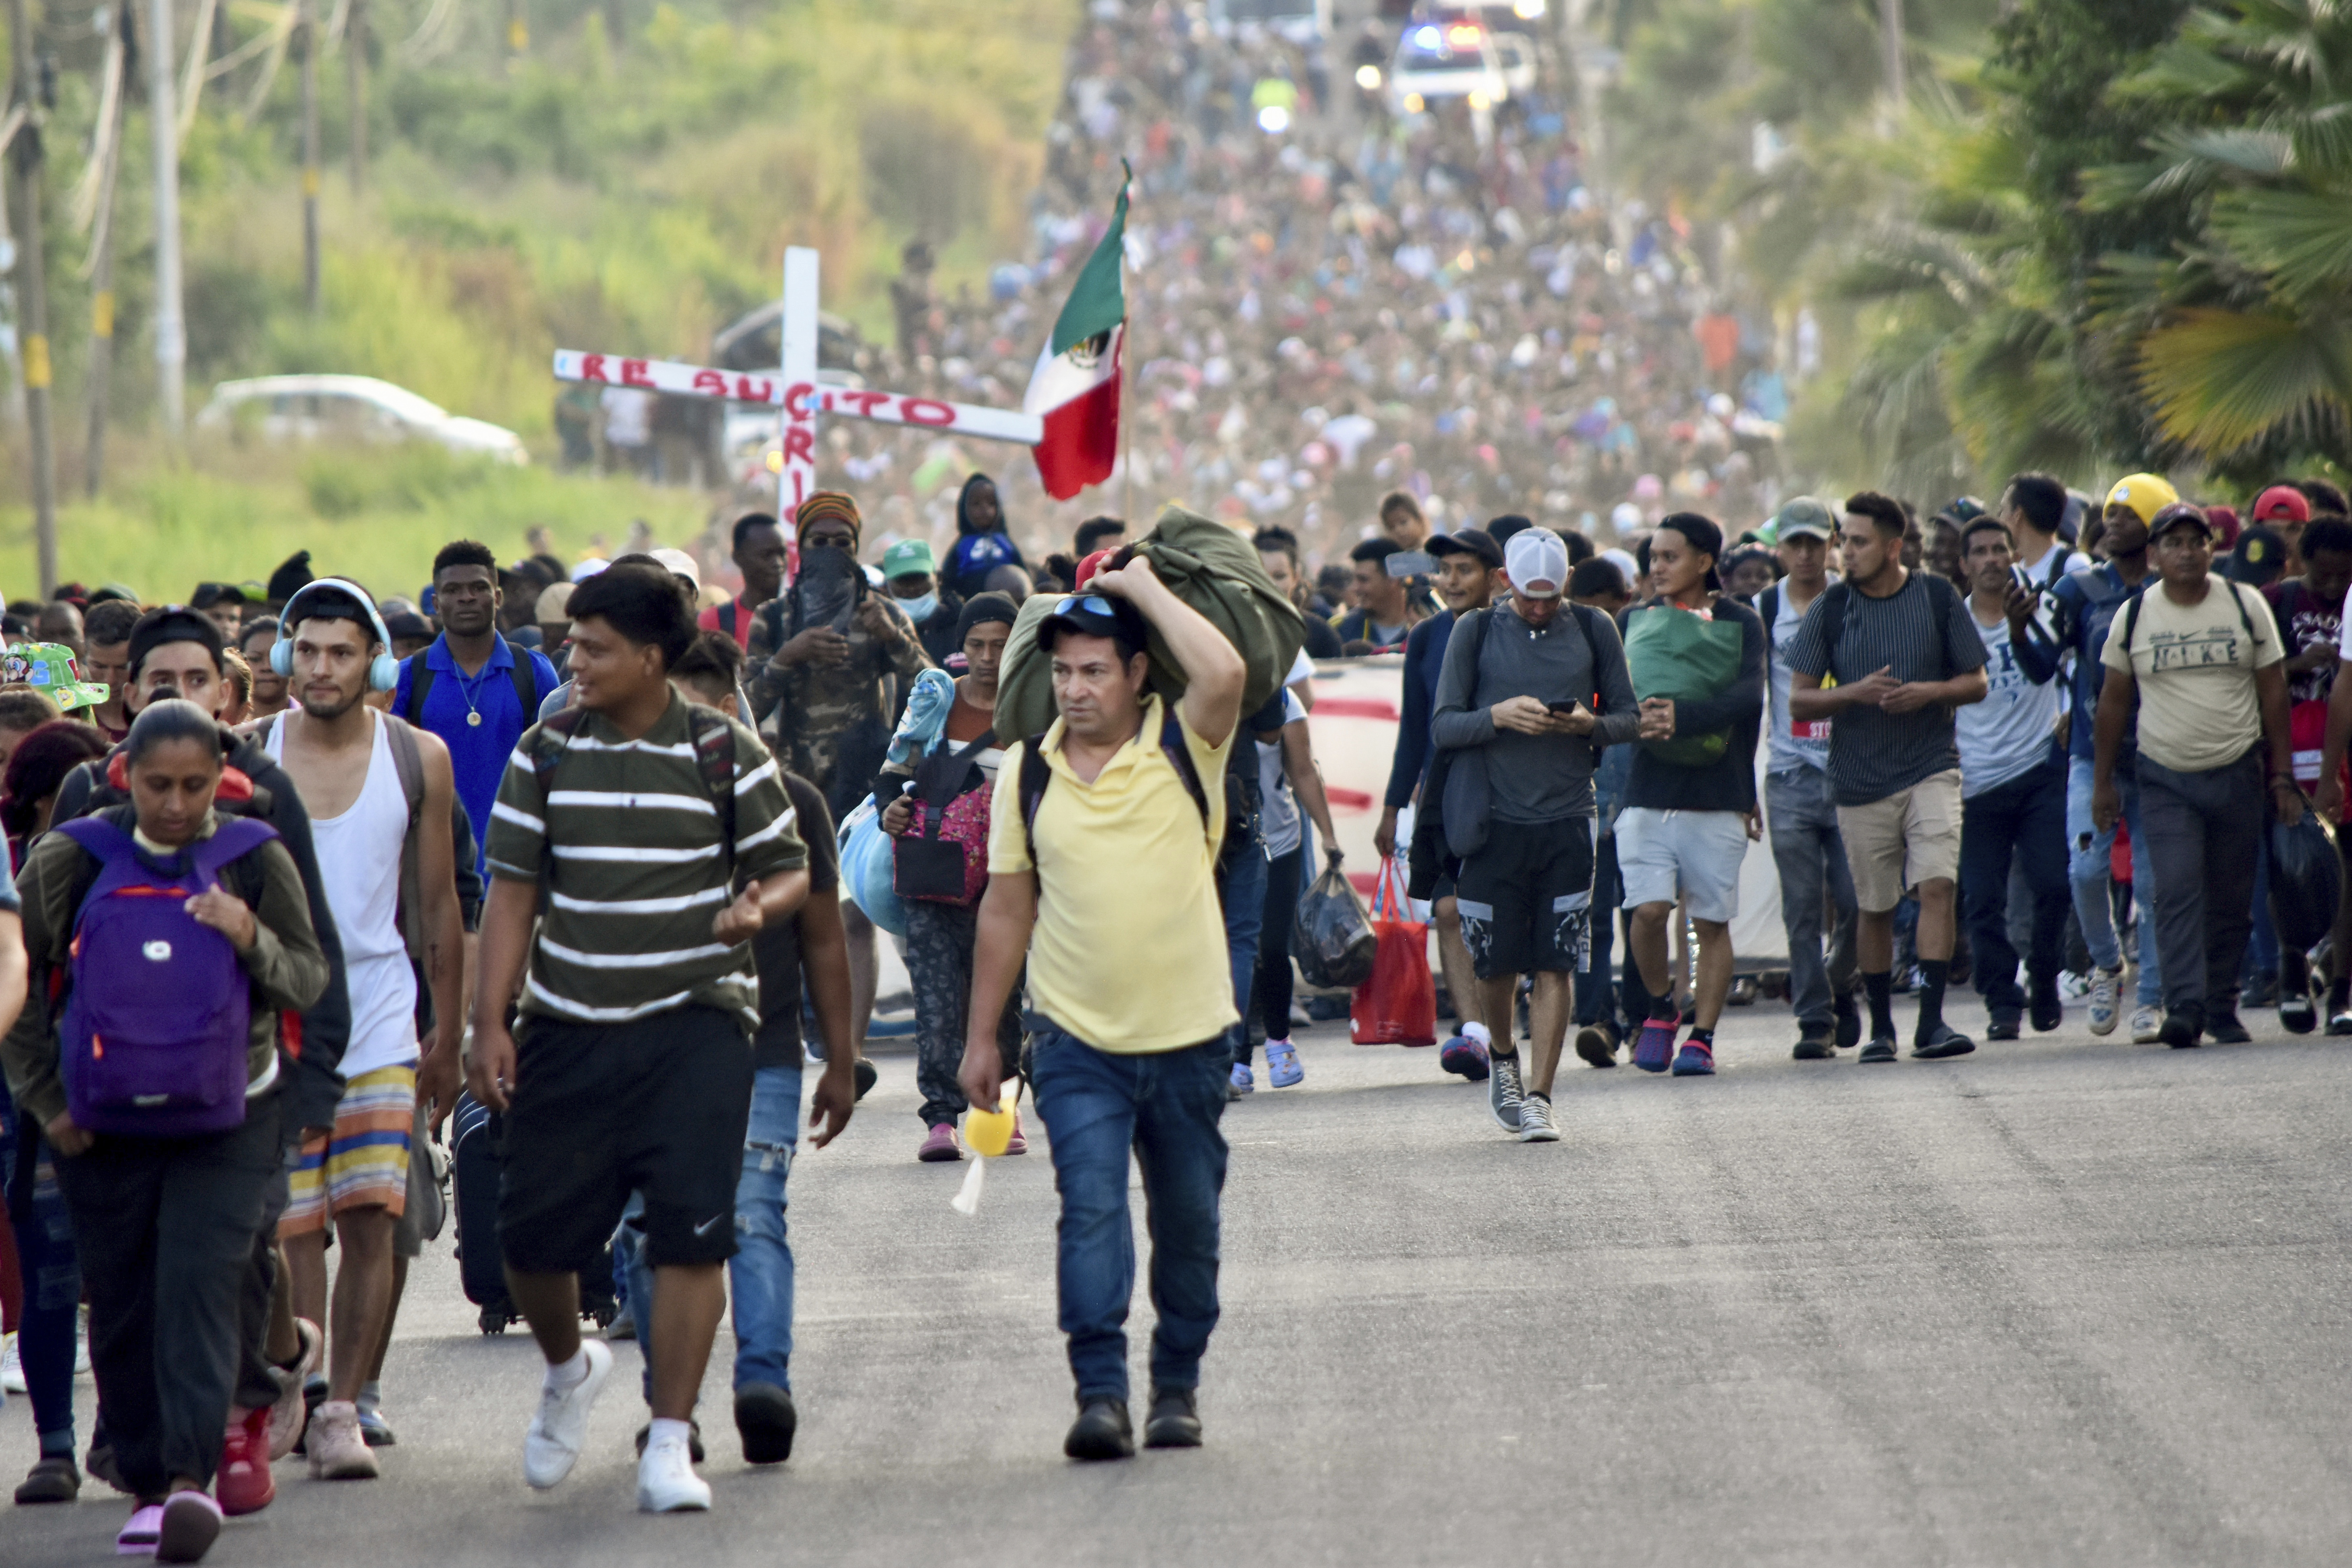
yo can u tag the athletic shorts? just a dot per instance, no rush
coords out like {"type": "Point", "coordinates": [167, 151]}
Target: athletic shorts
{"type": "Point", "coordinates": [1526, 900]}
{"type": "Point", "coordinates": [364, 1162]}
{"type": "Point", "coordinates": [1911, 836]}
{"type": "Point", "coordinates": [1692, 854]}
{"type": "Point", "coordinates": [657, 1106]}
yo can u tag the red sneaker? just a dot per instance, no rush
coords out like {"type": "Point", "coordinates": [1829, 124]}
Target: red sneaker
{"type": "Point", "coordinates": [244, 1483]}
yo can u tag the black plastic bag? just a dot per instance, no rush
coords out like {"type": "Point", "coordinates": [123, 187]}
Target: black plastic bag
{"type": "Point", "coordinates": [1333, 940]}
{"type": "Point", "coordinates": [2306, 880]}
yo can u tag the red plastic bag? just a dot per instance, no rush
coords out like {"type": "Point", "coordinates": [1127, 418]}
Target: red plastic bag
{"type": "Point", "coordinates": [1398, 1006]}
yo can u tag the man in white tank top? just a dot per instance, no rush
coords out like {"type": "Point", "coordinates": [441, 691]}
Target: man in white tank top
{"type": "Point", "coordinates": [339, 752]}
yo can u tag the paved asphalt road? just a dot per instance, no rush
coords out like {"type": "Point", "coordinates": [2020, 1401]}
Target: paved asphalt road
{"type": "Point", "coordinates": [2063, 1301]}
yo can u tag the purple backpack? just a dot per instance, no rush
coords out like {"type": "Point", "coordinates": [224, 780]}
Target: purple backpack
{"type": "Point", "coordinates": [157, 1028]}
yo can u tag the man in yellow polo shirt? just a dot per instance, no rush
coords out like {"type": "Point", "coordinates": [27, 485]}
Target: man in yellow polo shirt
{"type": "Point", "coordinates": [1102, 873]}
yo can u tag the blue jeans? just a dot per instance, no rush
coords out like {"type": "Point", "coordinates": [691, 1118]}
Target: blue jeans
{"type": "Point", "coordinates": [759, 1274]}
{"type": "Point", "coordinates": [1165, 1108]}
{"type": "Point", "coordinates": [1810, 856]}
{"type": "Point", "coordinates": [1240, 892]}
{"type": "Point", "coordinates": [2087, 870]}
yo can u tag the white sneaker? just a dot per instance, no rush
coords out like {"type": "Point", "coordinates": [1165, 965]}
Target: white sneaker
{"type": "Point", "coordinates": [2147, 1025]}
{"type": "Point", "coordinates": [2106, 992]}
{"type": "Point", "coordinates": [1535, 1120]}
{"type": "Point", "coordinates": [666, 1482]}
{"type": "Point", "coordinates": [12, 1368]}
{"type": "Point", "coordinates": [552, 1447]}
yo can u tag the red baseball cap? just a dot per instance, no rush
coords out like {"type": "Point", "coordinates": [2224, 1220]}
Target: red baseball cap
{"type": "Point", "coordinates": [2282, 503]}
{"type": "Point", "coordinates": [2226, 526]}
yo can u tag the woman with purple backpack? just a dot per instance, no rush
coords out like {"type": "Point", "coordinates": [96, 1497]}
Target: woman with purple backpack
{"type": "Point", "coordinates": [163, 942]}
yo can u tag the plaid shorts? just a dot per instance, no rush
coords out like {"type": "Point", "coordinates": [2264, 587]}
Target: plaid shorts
{"type": "Point", "coordinates": [365, 1162]}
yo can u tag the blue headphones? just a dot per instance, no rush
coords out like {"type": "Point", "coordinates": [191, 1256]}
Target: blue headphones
{"type": "Point", "coordinates": [383, 670]}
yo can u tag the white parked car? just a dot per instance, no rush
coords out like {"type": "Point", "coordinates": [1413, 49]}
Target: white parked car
{"type": "Point", "coordinates": [352, 408]}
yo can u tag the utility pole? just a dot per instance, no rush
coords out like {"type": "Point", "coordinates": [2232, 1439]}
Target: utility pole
{"type": "Point", "coordinates": [101, 281]}
{"type": "Point", "coordinates": [170, 321]}
{"type": "Point", "coordinates": [1890, 40]}
{"type": "Point", "coordinates": [309, 28]}
{"type": "Point", "coordinates": [33, 289]}
{"type": "Point", "coordinates": [355, 78]}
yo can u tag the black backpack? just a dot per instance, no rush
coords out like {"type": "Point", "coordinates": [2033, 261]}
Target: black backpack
{"type": "Point", "coordinates": [526, 684]}
{"type": "Point", "coordinates": [714, 758]}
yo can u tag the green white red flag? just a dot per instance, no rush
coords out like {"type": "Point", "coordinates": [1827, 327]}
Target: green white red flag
{"type": "Point", "coordinates": [1076, 386]}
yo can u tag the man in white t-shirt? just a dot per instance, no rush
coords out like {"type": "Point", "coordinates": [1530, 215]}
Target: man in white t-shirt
{"type": "Point", "coordinates": [2013, 789]}
{"type": "Point", "coordinates": [1798, 806]}
{"type": "Point", "coordinates": [375, 852]}
{"type": "Point", "coordinates": [2204, 657]}
{"type": "Point", "coordinates": [2033, 508]}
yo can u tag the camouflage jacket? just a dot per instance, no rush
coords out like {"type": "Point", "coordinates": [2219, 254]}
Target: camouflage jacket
{"type": "Point", "coordinates": [813, 710]}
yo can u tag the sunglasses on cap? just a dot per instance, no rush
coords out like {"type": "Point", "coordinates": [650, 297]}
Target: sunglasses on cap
{"type": "Point", "coordinates": [1093, 604]}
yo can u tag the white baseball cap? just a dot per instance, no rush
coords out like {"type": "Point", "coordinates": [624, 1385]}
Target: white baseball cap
{"type": "Point", "coordinates": [1537, 563]}
{"type": "Point", "coordinates": [678, 564]}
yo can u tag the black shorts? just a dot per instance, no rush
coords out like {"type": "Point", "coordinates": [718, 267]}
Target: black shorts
{"type": "Point", "coordinates": [1526, 898]}
{"type": "Point", "coordinates": [658, 1106]}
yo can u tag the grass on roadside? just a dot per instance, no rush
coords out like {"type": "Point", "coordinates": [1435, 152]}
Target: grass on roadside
{"type": "Point", "coordinates": [226, 513]}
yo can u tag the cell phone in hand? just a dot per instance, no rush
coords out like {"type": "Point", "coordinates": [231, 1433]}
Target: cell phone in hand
{"type": "Point", "coordinates": [1564, 709]}
{"type": "Point", "coordinates": [1412, 563]}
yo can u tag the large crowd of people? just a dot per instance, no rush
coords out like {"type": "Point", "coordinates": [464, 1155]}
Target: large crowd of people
{"type": "Point", "coordinates": [1358, 303]}
{"type": "Point", "coordinates": [546, 843]}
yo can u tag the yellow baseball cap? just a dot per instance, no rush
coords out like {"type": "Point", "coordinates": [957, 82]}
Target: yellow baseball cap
{"type": "Point", "coordinates": [2145, 494]}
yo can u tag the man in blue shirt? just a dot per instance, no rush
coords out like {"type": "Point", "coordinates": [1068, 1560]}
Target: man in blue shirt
{"type": "Point", "coordinates": [1466, 565]}
{"type": "Point", "coordinates": [472, 687]}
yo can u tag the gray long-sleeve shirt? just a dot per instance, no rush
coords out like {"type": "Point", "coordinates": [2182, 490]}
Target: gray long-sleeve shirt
{"type": "Point", "coordinates": [1577, 657]}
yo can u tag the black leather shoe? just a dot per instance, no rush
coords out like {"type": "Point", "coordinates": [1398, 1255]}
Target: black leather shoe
{"type": "Point", "coordinates": [2043, 1007]}
{"type": "Point", "coordinates": [1100, 1432]}
{"type": "Point", "coordinates": [1175, 1420]}
{"type": "Point", "coordinates": [1813, 1047]}
{"type": "Point", "coordinates": [2223, 1029]}
{"type": "Point", "coordinates": [1849, 1020]}
{"type": "Point", "coordinates": [765, 1420]}
{"type": "Point", "coordinates": [2002, 1026]}
{"type": "Point", "coordinates": [2182, 1027]}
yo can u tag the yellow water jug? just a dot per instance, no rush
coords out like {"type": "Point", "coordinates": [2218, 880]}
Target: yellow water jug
{"type": "Point", "coordinates": [989, 1132]}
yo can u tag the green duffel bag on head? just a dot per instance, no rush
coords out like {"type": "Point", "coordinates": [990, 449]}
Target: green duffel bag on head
{"type": "Point", "coordinates": [1209, 567]}
{"type": "Point", "coordinates": [1671, 652]}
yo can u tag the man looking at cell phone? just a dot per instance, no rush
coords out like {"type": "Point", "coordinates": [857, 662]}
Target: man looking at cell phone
{"type": "Point", "coordinates": [1385, 613]}
{"type": "Point", "coordinates": [1530, 689]}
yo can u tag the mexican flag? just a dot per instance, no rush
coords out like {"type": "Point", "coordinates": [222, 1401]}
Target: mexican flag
{"type": "Point", "coordinates": [1076, 385]}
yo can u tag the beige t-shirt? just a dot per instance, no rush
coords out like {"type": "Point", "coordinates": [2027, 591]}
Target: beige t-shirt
{"type": "Point", "coordinates": [2195, 666]}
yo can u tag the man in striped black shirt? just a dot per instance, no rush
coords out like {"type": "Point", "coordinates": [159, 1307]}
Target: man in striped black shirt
{"type": "Point", "coordinates": [633, 1069]}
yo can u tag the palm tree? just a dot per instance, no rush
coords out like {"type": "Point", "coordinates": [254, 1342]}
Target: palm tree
{"type": "Point", "coordinates": [2243, 339]}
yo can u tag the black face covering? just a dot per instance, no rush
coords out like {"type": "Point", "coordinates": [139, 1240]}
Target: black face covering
{"type": "Point", "coordinates": [827, 590]}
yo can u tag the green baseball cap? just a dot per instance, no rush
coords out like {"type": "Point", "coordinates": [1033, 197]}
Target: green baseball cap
{"type": "Point", "coordinates": [907, 557]}
{"type": "Point", "coordinates": [1802, 516]}
{"type": "Point", "coordinates": [49, 666]}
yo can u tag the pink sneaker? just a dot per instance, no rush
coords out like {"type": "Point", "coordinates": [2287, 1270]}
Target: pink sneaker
{"type": "Point", "coordinates": [192, 1522]}
{"type": "Point", "coordinates": [940, 1145]}
{"type": "Point", "coordinates": [1016, 1145]}
{"type": "Point", "coordinates": [140, 1533]}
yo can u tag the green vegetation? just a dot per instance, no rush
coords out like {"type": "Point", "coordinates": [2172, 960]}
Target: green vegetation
{"type": "Point", "coordinates": [630, 183]}
{"type": "Point", "coordinates": [2100, 235]}
{"type": "Point", "coordinates": [373, 514]}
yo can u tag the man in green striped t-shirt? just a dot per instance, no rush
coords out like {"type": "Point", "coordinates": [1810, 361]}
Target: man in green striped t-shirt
{"type": "Point", "coordinates": [634, 1069]}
